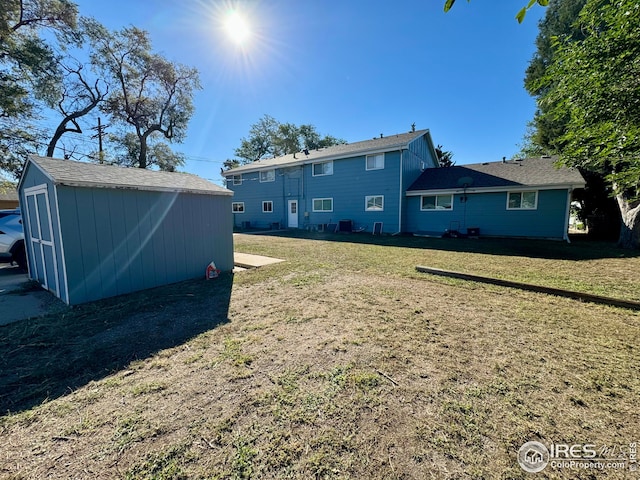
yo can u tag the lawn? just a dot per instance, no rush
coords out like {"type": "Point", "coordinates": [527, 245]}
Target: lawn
{"type": "Point", "coordinates": [342, 362]}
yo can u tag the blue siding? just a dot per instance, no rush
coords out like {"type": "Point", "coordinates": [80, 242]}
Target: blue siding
{"type": "Point", "coordinates": [488, 212]}
{"type": "Point", "coordinates": [119, 241]}
{"type": "Point", "coordinates": [253, 192]}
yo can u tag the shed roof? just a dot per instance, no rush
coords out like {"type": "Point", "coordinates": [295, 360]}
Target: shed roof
{"type": "Point", "coordinates": [376, 145]}
{"type": "Point", "coordinates": [528, 172]}
{"type": "Point", "coordinates": [81, 174]}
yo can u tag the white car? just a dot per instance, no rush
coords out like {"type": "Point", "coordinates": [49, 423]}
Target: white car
{"type": "Point", "coordinates": [12, 238]}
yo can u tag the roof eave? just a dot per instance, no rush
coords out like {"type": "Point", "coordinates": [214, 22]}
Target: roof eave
{"type": "Point", "coordinates": [506, 188]}
{"type": "Point", "coordinates": [67, 183]}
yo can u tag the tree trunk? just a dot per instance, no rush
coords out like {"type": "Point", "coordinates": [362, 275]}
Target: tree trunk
{"type": "Point", "coordinates": [142, 158]}
{"type": "Point", "coordinates": [630, 226]}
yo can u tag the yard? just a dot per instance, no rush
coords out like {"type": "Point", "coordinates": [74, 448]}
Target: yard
{"type": "Point", "coordinates": [342, 362]}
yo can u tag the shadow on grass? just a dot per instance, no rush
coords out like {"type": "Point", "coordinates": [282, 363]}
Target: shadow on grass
{"type": "Point", "coordinates": [45, 358]}
{"type": "Point", "coordinates": [581, 248]}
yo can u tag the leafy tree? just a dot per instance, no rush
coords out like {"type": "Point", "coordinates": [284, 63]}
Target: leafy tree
{"type": "Point", "coordinates": [150, 94]}
{"type": "Point", "coordinates": [159, 153]}
{"type": "Point", "coordinates": [28, 71]}
{"type": "Point", "coordinates": [593, 84]}
{"type": "Point", "coordinates": [270, 138]}
{"type": "Point", "coordinates": [521, 14]}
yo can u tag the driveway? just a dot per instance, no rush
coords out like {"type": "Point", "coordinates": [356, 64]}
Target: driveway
{"type": "Point", "coordinates": [17, 299]}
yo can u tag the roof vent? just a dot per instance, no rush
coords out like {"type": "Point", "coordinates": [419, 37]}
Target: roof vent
{"type": "Point", "coordinates": [519, 159]}
{"type": "Point", "coordinates": [306, 151]}
{"type": "Point", "coordinates": [381, 135]}
{"type": "Point", "coordinates": [504, 159]}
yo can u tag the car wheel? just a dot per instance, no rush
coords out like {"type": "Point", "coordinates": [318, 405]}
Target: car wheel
{"type": "Point", "coordinates": [20, 256]}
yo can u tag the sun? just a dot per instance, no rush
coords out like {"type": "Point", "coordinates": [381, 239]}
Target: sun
{"type": "Point", "coordinates": [237, 27]}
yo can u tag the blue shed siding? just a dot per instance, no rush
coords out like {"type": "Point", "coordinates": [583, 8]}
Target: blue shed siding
{"type": "Point", "coordinates": [488, 211]}
{"type": "Point", "coordinates": [119, 241]}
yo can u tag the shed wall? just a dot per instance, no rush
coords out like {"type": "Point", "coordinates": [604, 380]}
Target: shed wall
{"type": "Point", "coordinates": [118, 241]}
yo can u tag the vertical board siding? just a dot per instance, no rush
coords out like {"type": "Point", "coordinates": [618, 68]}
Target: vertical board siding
{"type": "Point", "coordinates": [488, 212]}
{"type": "Point", "coordinates": [119, 241]}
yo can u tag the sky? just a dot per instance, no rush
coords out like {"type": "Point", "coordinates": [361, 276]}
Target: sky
{"type": "Point", "coordinates": [354, 69]}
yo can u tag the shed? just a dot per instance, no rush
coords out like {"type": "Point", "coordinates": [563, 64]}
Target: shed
{"type": "Point", "coordinates": [97, 231]}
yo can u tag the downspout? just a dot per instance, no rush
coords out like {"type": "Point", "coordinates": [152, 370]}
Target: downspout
{"type": "Point", "coordinates": [566, 216]}
{"type": "Point", "coordinates": [400, 197]}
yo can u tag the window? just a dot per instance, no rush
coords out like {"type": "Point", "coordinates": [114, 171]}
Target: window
{"type": "Point", "coordinates": [323, 204]}
{"type": "Point", "coordinates": [323, 168]}
{"type": "Point", "coordinates": [522, 200]}
{"type": "Point", "coordinates": [237, 207]}
{"type": "Point", "coordinates": [268, 176]}
{"type": "Point", "coordinates": [374, 203]}
{"type": "Point", "coordinates": [375, 162]}
{"type": "Point", "coordinates": [237, 179]}
{"type": "Point", "coordinates": [437, 202]}
{"type": "Point", "coordinates": [267, 207]}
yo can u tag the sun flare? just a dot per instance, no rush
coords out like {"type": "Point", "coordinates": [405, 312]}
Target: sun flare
{"type": "Point", "coordinates": [237, 27]}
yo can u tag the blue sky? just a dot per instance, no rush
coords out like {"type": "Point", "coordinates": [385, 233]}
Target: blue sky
{"type": "Point", "coordinates": [354, 69]}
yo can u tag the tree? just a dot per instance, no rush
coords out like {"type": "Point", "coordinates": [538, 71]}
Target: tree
{"type": "Point", "coordinates": [28, 71]}
{"type": "Point", "coordinates": [159, 153]}
{"type": "Point", "coordinates": [521, 14]}
{"type": "Point", "coordinates": [559, 21]}
{"type": "Point", "coordinates": [150, 94]}
{"type": "Point", "coordinates": [270, 138]}
{"type": "Point", "coordinates": [593, 84]}
{"type": "Point", "coordinates": [445, 158]}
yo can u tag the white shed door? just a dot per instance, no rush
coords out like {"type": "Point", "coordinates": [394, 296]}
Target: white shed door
{"type": "Point", "coordinates": [40, 238]}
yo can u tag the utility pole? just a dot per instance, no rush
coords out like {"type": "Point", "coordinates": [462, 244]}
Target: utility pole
{"type": "Point", "coordinates": [100, 128]}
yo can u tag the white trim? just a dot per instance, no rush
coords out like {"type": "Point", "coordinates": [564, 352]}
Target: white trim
{"type": "Point", "coordinates": [34, 192]}
{"type": "Point", "coordinates": [237, 211]}
{"type": "Point", "coordinates": [523, 188]}
{"type": "Point", "coordinates": [64, 261]}
{"type": "Point", "coordinates": [451, 195]}
{"type": "Point", "coordinates": [269, 179]}
{"type": "Point", "coordinates": [566, 217]}
{"type": "Point", "coordinates": [265, 202]}
{"type": "Point", "coordinates": [313, 207]}
{"type": "Point", "coordinates": [373, 155]}
{"type": "Point", "coordinates": [313, 169]}
{"type": "Point", "coordinates": [366, 203]}
{"type": "Point", "coordinates": [522, 192]}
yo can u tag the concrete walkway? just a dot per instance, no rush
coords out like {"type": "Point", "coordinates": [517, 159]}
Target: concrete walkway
{"type": "Point", "coordinates": [247, 260]}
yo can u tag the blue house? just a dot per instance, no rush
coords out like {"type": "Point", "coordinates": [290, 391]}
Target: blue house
{"type": "Point", "coordinates": [516, 198]}
{"type": "Point", "coordinates": [362, 183]}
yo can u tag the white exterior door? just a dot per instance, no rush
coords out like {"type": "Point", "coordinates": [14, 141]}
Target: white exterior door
{"type": "Point", "coordinates": [293, 214]}
{"type": "Point", "coordinates": [40, 239]}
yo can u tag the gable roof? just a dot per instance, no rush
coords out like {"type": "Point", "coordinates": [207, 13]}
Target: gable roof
{"type": "Point", "coordinates": [355, 149]}
{"type": "Point", "coordinates": [539, 172]}
{"type": "Point", "coordinates": [81, 174]}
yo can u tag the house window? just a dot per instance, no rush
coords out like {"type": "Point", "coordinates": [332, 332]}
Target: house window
{"type": "Point", "coordinates": [522, 200]}
{"type": "Point", "coordinates": [267, 207]}
{"type": "Point", "coordinates": [267, 176]}
{"type": "Point", "coordinates": [323, 204]}
{"type": "Point", "coordinates": [237, 207]}
{"type": "Point", "coordinates": [375, 162]}
{"type": "Point", "coordinates": [237, 179]}
{"type": "Point", "coordinates": [374, 203]}
{"type": "Point", "coordinates": [323, 168]}
{"type": "Point", "coordinates": [437, 202]}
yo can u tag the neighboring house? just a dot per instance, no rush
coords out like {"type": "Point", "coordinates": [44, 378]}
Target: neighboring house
{"type": "Point", "coordinates": [364, 182]}
{"type": "Point", "coordinates": [8, 196]}
{"type": "Point", "coordinates": [516, 198]}
{"type": "Point", "coordinates": [96, 231]}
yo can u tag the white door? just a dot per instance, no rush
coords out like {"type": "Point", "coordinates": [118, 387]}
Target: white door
{"type": "Point", "coordinates": [293, 214]}
{"type": "Point", "coordinates": [40, 244]}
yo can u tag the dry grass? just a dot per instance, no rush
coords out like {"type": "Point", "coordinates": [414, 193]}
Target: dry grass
{"type": "Point", "coordinates": [344, 362]}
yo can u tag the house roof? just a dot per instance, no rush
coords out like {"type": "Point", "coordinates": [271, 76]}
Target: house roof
{"type": "Point", "coordinates": [81, 174]}
{"type": "Point", "coordinates": [355, 149]}
{"type": "Point", "coordinates": [542, 172]}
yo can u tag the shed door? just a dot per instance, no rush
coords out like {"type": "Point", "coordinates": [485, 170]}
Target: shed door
{"type": "Point", "coordinates": [40, 238]}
